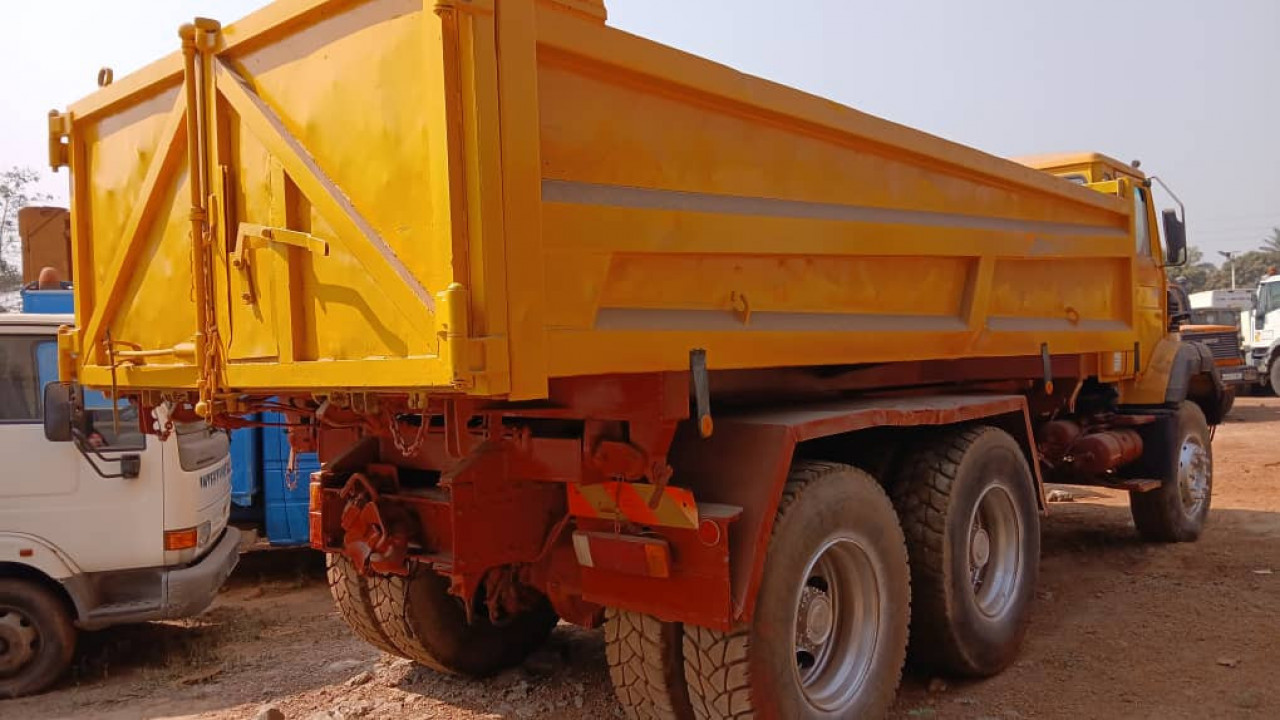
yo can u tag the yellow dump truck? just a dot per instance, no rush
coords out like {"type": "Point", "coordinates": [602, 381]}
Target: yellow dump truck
{"type": "Point", "coordinates": [585, 327]}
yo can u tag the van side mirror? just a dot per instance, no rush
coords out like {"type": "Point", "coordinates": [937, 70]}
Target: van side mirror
{"type": "Point", "coordinates": [1175, 239]}
{"type": "Point", "coordinates": [58, 412]}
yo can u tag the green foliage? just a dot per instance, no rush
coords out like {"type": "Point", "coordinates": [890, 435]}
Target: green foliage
{"type": "Point", "coordinates": [16, 192]}
{"type": "Point", "coordinates": [1250, 267]}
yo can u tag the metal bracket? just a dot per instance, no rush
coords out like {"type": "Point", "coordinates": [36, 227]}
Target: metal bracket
{"type": "Point", "coordinates": [250, 237]}
{"type": "Point", "coordinates": [59, 130]}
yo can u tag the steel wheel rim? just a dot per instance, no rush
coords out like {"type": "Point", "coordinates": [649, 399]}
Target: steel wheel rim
{"type": "Point", "coordinates": [19, 641]}
{"type": "Point", "coordinates": [837, 624]}
{"type": "Point", "coordinates": [1194, 473]}
{"type": "Point", "coordinates": [994, 552]}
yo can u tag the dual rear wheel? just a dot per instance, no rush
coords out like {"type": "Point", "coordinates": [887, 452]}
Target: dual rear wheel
{"type": "Point", "coordinates": [958, 541]}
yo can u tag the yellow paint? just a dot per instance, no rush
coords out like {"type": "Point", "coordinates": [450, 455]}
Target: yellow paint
{"type": "Point", "coordinates": [511, 191]}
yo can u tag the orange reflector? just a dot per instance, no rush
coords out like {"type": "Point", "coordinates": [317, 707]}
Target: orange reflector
{"type": "Point", "coordinates": [26, 552]}
{"type": "Point", "coordinates": [315, 495]}
{"type": "Point", "coordinates": [180, 539]}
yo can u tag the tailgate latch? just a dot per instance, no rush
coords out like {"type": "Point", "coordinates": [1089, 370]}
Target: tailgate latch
{"type": "Point", "coordinates": [250, 237]}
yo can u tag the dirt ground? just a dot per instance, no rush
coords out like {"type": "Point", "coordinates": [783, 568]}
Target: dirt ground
{"type": "Point", "coordinates": [1120, 630]}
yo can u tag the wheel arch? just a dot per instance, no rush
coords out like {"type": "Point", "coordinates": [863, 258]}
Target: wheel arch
{"type": "Point", "coordinates": [747, 460]}
{"type": "Point", "coordinates": [1194, 376]}
{"type": "Point", "coordinates": [36, 576]}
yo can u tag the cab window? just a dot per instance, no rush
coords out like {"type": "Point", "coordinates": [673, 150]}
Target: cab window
{"type": "Point", "coordinates": [1141, 232]}
{"type": "Point", "coordinates": [19, 383]}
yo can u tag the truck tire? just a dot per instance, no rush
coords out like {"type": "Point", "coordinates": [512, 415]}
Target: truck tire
{"type": "Point", "coordinates": [36, 638]}
{"type": "Point", "coordinates": [829, 634]}
{"type": "Point", "coordinates": [429, 626]}
{"type": "Point", "coordinates": [646, 665]}
{"type": "Point", "coordinates": [1178, 509]}
{"type": "Point", "coordinates": [1228, 402]}
{"type": "Point", "coordinates": [967, 502]}
{"type": "Point", "coordinates": [1274, 375]}
{"type": "Point", "coordinates": [351, 594]}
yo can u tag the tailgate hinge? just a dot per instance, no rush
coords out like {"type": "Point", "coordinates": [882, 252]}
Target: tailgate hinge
{"type": "Point", "coordinates": [59, 132]}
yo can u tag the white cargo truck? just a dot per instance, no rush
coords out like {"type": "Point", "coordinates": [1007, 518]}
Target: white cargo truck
{"type": "Point", "coordinates": [99, 523]}
{"type": "Point", "coordinates": [1262, 332]}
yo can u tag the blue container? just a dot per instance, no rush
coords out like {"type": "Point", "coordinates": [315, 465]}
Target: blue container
{"type": "Point", "coordinates": [47, 302]}
{"type": "Point", "coordinates": [286, 494]}
{"type": "Point", "coordinates": [246, 467]}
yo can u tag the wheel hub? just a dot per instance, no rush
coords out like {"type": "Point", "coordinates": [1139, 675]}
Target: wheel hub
{"type": "Point", "coordinates": [1194, 473]}
{"type": "Point", "coordinates": [17, 641]}
{"type": "Point", "coordinates": [819, 617]}
{"type": "Point", "coordinates": [980, 548]}
{"type": "Point", "coordinates": [837, 616]}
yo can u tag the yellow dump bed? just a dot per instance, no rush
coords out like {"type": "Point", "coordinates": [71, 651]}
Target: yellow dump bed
{"type": "Point", "coordinates": [483, 195]}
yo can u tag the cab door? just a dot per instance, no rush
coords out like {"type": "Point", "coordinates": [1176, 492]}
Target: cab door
{"type": "Point", "coordinates": [1150, 283]}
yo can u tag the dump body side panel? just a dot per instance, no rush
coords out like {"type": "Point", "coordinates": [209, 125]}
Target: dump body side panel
{"type": "Point", "coordinates": [482, 197]}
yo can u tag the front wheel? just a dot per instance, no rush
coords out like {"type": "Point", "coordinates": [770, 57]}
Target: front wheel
{"type": "Point", "coordinates": [36, 638]}
{"type": "Point", "coordinates": [1178, 509]}
{"type": "Point", "coordinates": [829, 633]}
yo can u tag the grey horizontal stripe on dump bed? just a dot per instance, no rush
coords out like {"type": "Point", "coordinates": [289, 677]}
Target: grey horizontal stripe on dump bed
{"type": "Point", "coordinates": [579, 193]}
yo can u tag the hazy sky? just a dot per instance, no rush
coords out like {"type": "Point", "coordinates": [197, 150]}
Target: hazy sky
{"type": "Point", "coordinates": [1191, 87]}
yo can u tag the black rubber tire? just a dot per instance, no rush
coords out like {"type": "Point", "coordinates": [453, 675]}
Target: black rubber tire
{"type": "Point", "coordinates": [646, 665]}
{"type": "Point", "coordinates": [354, 600]}
{"type": "Point", "coordinates": [1228, 402]}
{"type": "Point", "coordinates": [750, 671]}
{"type": "Point", "coordinates": [1159, 514]}
{"type": "Point", "coordinates": [937, 496]}
{"type": "Point", "coordinates": [35, 606]}
{"type": "Point", "coordinates": [1274, 375]}
{"type": "Point", "coordinates": [429, 626]}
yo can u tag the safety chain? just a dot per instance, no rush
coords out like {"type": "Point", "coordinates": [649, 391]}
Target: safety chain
{"type": "Point", "coordinates": [408, 449]}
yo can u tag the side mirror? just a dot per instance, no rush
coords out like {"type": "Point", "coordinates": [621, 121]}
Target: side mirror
{"type": "Point", "coordinates": [58, 412]}
{"type": "Point", "coordinates": [1175, 238]}
{"type": "Point", "coordinates": [1259, 321]}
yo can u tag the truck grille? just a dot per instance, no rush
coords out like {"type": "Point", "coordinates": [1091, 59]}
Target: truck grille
{"type": "Point", "coordinates": [1223, 344]}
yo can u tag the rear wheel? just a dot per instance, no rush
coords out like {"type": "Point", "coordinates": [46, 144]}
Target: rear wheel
{"type": "Point", "coordinates": [646, 665]}
{"type": "Point", "coordinates": [969, 513]}
{"type": "Point", "coordinates": [1178, 509]}
{"type": "Point", "coordinates": [428, 625]}
{"type": "Point", "coordinates": [36, 638]}
{"type": "Point", "coordinates": [352, 596]}
{"type": "Point", "coordinates": [829, 633]}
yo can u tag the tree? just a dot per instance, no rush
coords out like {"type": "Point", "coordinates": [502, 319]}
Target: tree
{"type": "Point", "coordinates": [1271, 243]}
{"type": "Point", "coordinates": [16, 192]}
{"type": "Point", "coordinates": [1196, 274]}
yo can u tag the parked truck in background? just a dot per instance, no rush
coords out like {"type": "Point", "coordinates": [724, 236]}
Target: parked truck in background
{"type": "Point", "coordinates": [107, 527]}
{"type": "Point", "coordinates": [586, 327]}
{"type": "Point", "coordinates": [1214, 320]}
{"type": "Point", "coordinates": [1262, 332]}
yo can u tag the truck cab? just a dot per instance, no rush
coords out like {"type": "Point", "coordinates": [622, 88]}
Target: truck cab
{"type": "Point", "coordinates": [1262, 331]}
{"type": "Point", "coordinates": [111, 527]}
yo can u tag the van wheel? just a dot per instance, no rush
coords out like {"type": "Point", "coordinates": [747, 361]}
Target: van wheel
{"type": "Point", "coordinates": [1178, 509]}
{"type": "Point", "coordinates": [829, 633]}
{"type": "Point", "coordinates": [969, 512]}
{"type": "Point", "coordinates": [36, 638]}
{"type": "Point", "coordinates": [429, 626]}
{"type": "Point", "coordinates": [646, 665]}
{"type": "Point", "coordinates": [351, 595]}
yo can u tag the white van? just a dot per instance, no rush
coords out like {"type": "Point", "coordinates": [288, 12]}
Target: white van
{"type": "Point", "coordinates": [110, 526]}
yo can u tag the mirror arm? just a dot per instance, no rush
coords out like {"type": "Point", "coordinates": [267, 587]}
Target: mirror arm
{"type": "Point", "coordinates": [1182, 209]}
{"type": "Point", "coordinates": [130, 463]}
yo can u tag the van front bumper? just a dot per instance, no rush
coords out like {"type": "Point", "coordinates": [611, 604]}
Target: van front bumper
{"type": "Point", "coordinates": [189, 590]}
{"type": "Point", "coordinates": [154, 593]}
